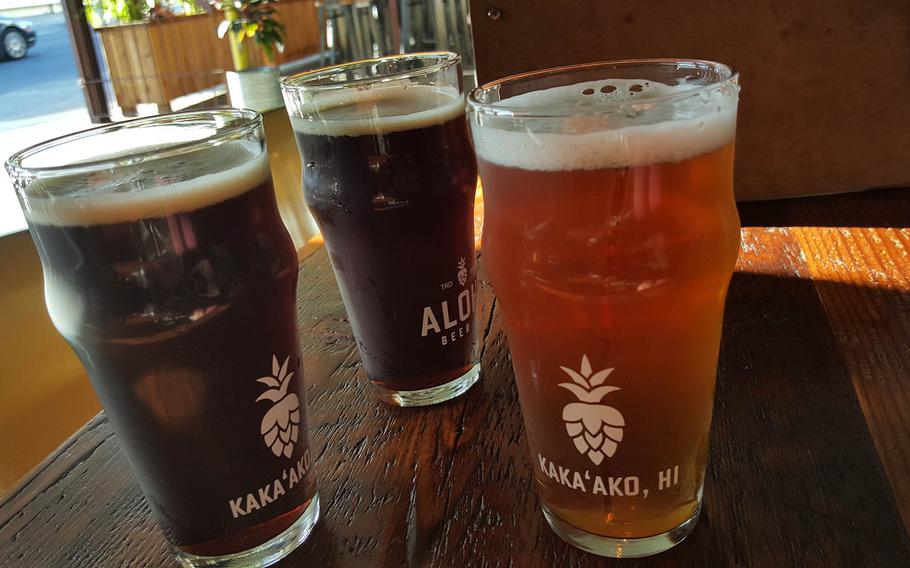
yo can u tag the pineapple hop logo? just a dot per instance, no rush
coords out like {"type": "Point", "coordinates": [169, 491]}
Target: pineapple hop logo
{"type": "Point", "coordinates": [595, 428]}
{"type": "Point", "coordinates": [280, 425]}
{"type": "Point", "coordinates": [462, 271]}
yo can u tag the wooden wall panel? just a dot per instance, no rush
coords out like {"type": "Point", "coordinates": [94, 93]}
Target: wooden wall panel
{"type": "Point", "coordinates": [825, 83]}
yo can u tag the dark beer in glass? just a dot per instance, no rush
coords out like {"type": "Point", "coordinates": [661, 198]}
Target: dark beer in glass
{"type": "Point", "coordinates": [389, 176]}
{"type": "Point", "coordinates": [168, 270]}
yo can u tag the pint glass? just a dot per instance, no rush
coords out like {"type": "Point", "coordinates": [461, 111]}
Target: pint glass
{"type": "Point", "coordinates": [389, 175]}
{"type": "Point", "coordinates": [168, 270]}
{"type": "Point", "coordinates": [610, 235]}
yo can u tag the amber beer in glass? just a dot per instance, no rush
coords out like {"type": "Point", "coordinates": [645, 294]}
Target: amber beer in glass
{"type": "Point", "coordinates": [168, 270]}
{"type": "Point", "coordinates": [610, 236]}
{"type": "Point", "coordinates": [389, 175]}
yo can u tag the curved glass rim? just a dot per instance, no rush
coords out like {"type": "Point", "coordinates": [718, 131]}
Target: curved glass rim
{"type": "Point", "coordinates": [729, 75]}
{"type": "Point", "coordinates": [248, 120]}
{"type": "Point", "coordinates": [310, 80]}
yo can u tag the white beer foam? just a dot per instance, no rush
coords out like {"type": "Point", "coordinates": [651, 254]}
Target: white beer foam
{"type": "Point", "coordinates": [669, 132]}
{"type": "Point", "coordinates": [76, 200]}
{"type": "Point", "coordinates": [115, 143]}
{"type": "Point", "coordinates": [393, 107]}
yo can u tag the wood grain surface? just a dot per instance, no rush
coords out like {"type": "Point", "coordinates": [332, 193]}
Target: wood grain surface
{"type": "Point", "coordinates": [856, 250]}
{"type": "Point", "coordinates": [809, 449]}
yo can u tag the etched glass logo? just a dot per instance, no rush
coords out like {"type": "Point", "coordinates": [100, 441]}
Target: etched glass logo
{"type": "Point", "coordinates": [462, 272]}
{"type": "Point", "coordinates": [596, 429]}
{"type": "Point", "coordinates": [281, 423]}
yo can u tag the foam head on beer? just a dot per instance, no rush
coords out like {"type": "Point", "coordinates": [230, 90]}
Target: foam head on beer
{"type": "Point", "coordinates": [142, 189]}
{"type": "Point", "coordinates": [620, 123]}
{"type": "Point", "coordinates": [392, 107]}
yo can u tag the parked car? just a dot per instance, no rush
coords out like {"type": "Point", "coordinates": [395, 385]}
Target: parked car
{"type": "Point", "coordinates": [16, 36]}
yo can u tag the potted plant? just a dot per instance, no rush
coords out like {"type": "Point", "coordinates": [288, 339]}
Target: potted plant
{"type": "Point", "coordinates": [244, 20]}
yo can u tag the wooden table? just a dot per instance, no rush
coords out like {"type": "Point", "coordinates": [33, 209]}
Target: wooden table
{"type": "Point", "coordinates": [810, 449]}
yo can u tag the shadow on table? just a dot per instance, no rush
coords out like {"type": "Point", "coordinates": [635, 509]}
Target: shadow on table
{"type": "Point", "coordinates": [874, 208]}
{"type": "Point", "coordinates": [793, 472]}
{"type": "Point", "coordinates": [793, 475]}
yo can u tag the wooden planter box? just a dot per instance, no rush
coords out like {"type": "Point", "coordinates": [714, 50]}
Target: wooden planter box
{"type": "Point", "coordinates": [158, 62]}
